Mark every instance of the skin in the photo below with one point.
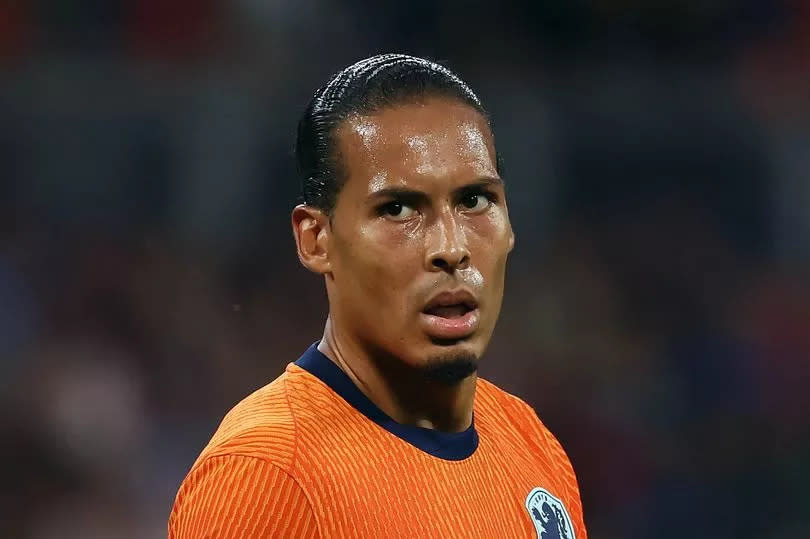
(422, 211)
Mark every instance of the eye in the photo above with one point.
(475, 202)
(397, 211)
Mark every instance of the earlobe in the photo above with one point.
(311, 230)
(511, 241)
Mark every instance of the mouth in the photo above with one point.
(456, 310)
(451, 315)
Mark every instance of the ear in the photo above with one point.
(311, 230)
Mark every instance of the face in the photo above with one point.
(415, 252)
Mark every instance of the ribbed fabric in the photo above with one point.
(239, 496)
(296, 460)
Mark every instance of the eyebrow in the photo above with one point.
(413, 194)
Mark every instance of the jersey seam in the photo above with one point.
(295, 425)
(281, 469)
(295, 454)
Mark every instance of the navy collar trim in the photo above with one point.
(444, 445)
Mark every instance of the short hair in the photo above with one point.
(365, 87)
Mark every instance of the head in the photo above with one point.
(404, 213)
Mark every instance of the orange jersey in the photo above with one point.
(310, 456)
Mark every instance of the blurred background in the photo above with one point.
(657, 311)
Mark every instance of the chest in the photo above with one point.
(394, 490)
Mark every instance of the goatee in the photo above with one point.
(450, 370)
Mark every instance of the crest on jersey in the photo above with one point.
(549, 515)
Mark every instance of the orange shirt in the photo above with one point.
(310, 456)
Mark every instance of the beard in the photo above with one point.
(450, 370)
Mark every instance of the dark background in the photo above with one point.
(657, 311)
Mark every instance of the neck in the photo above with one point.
(403, 393)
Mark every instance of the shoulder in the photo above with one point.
(510, 412)
(236, 496)
(250, 455)
(494, 399)
(261, 426)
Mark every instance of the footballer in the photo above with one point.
(382, 428)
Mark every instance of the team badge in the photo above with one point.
(549, 515)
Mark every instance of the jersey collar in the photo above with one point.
(443, 445)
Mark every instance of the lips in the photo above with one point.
(451, 315)
(451, 301)
(449, 311)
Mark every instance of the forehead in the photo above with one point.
(437, 140)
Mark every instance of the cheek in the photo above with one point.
(490, 237)
(388, 249)
(380, 260)
(491, 233)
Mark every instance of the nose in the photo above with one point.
(446, 245)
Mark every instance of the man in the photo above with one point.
(382, 428)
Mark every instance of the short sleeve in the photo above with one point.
(234, 496)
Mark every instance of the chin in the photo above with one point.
(471, 344)
(450, 365)
(419, 349)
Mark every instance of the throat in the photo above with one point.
(408, 396)
(425, 401)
